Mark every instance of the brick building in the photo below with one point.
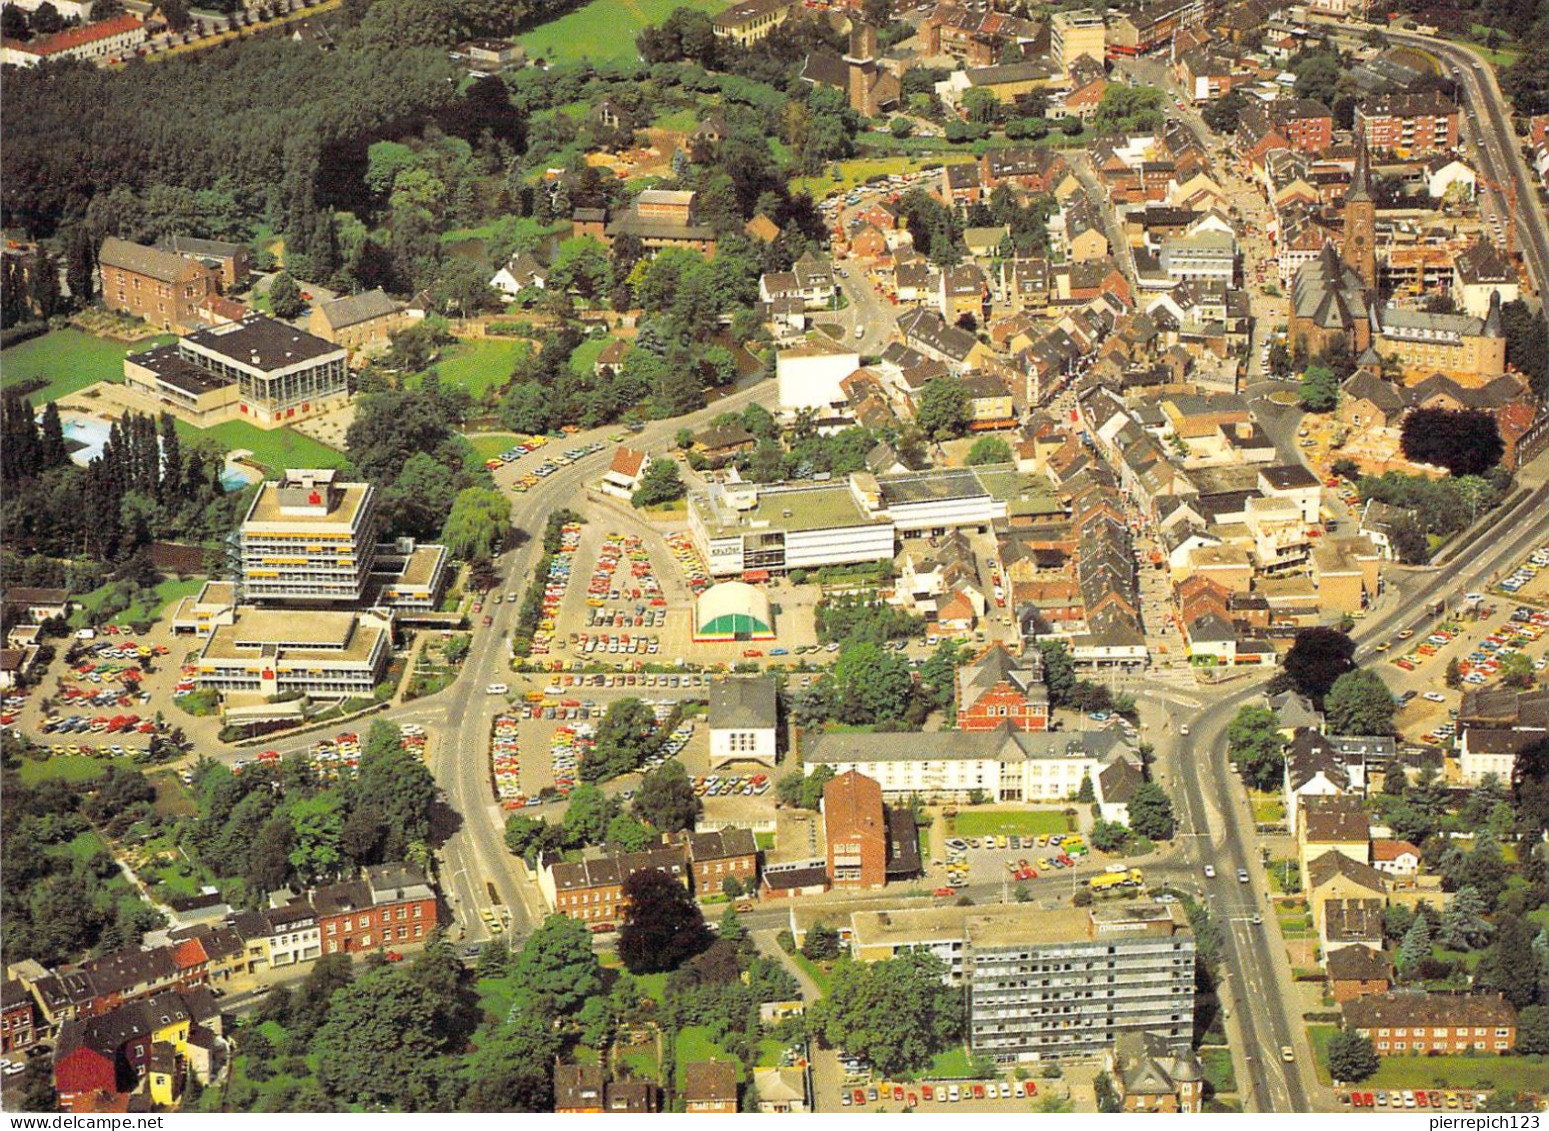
(857, 831)
(18, 1018)
(162, 287)
(1357, 972)
(593, 890)
(1408, 125)
(998, 688)
(709, 1087)
(1415, 1024)
(715, 857)
(389, 905)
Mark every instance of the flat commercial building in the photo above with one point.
(281, 372)
(180, 386)
(322, 655)
(308, 538)
(780, 527)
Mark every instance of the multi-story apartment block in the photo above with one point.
(1409, 125)
(1047, 984)
(389, 905)
(1075, 35)
(593, 890)
(308, 538)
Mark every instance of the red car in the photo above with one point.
(943, 892)
(858, 1095)
(913, 1100)
(394, 956)
(978, 1091)
(926, 1093)
(898, 1093)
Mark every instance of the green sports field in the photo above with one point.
(604, 30)
(274, 448)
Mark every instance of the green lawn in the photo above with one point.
(166, 591)
(1505, 1073)
(481, 365)
(769, 1053)
(586, 355)
(642, 1061)
(814, 971)
(765, 841)
(604, 30)
(66, 767)
(1218, 1069)
(1022, 822)
(695, 1045)
(683, 120)
(489, 447)
(274, 448)
(860, 169)
(68, 360)
(83, 846)
(949, 1065)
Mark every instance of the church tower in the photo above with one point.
(1360, 246)
(861, 64)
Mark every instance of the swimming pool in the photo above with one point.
(234, 478)
(90, 433)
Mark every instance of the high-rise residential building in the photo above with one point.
(1075, 34)
(1069, 982)
(309, 539)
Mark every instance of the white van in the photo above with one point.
(496, 689)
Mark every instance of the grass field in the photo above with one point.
(66, 767)
(1504, 1073)
(683, 120)
(695, 1045)
(490, 446)
(1218, 1069)
(859, 170)
(274, 448)
(769, 1053)
(166, 592)
(586, 355)
(68, 360)
(481, 365)
(604, 29)
(949, 1065)
(1037, 822)
(814, 971)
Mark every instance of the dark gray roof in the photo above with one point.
(355, 309)
(262, 343)
(149, 261)
(743, 704)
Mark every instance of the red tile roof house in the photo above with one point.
(998, 688)
(1395, 857)
(625, 472)
(390, 904)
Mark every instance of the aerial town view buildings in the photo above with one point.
(787, 557)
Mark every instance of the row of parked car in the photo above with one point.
(687, 555)
(1524, 573)
(713, 785)
(913, 1095)
(1414, 1099)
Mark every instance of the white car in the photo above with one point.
(496, 689)
(1434, 697)
(1210, 871)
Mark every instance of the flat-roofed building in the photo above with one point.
(1077, 34)
(309, 538)
(269, 652)
(781, 528)
(408, 576)
(187, 390)
(281, 372)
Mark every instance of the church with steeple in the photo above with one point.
(1334, 300)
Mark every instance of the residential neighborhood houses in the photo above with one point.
(775, 558)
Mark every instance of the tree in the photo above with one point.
(1465, 442)
(46, 19)
(1463, 922)
(463, 286)
(1530, 788)
(901, 127)
(395, 791)
(1108, 836)
(1255, 743)
(1416, 947)
(1533, 1030)
(1059, 671)
(477, 524)
(804, 791)
(626, 737)
(1317, 657)
(943, 408)
(1511, 965)
(512, 1069)
(1359, 702)
(1319, 390)
(661, 483)
(557, 965)
(1108, 1100)
(871, 685)
(896, 1013)
(821, 943)
(382, 1036)
(625, 834)
(527, 836)
(666, 798)
(988, 450)
(1151, 812)
(662, 927)
(1517, 671)
(588, 816)
(285, 297)
(13, 24)
(1222, 114)
(318, 824)
(1351, 1057)
(1454, 674)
